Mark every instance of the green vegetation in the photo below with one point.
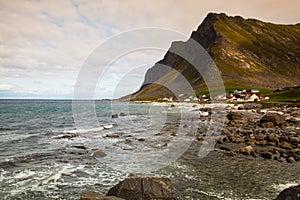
(285, 96)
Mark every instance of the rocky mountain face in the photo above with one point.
(248, 53)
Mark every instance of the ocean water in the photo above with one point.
(45, 155)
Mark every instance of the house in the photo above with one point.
(253, 97)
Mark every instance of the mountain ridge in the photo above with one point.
(248, 52)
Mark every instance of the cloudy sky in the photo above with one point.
(44, 44)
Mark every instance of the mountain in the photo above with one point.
(248, 53)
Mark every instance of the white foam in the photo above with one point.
(84, 130)
(280, 187)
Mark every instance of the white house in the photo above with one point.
(254, 97)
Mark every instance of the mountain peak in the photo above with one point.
(249, 54)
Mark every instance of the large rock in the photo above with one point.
(292, 193)
(248, 150)
(91, 195)
(275, 118)
(148, 188)
(235, 116)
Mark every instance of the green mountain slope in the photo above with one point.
(249, 54)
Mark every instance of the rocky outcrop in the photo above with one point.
(292, 193)
(147, 188)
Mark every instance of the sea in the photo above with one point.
(46, 152)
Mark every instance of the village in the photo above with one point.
(243, 95)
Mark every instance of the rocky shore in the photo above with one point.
(154, 188)
(251, 130)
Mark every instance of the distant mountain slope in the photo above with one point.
(249, 54)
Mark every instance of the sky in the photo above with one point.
(45, 44)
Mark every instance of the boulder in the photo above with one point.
(291, 160)
(99, 154)
(267, 155)
(267, 125)
(122, 114)
(260, 137)
(146, 188)
(248, 150)
(272, 138)
(91, 195)
(275, 118)
(222, 139)
(294, 140)
(291, 193)
(286, 145)
(114, 116)
(235, 116)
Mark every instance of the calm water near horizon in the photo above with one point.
(42, 156)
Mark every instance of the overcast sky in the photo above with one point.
(43, 44)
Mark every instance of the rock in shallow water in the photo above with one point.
(147, 188)
(292, 193)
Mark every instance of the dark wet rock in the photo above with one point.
(261, 143)
(267, 125)
(127, 141)
(99, 154)
(291, 193)
(111, 136)
(147, 188)
(275, 118)
(225, 131)
(68, 136)
(286, 145)
(91, 195)
(251, 106)
(283, 138)
(122, 114)
(260, 137)
(272, 143)
(291, 159)
(292, 120)
(206, 109)
(238, 140)
(75, 151)
(222, 139)
(224, 148)
(141, 139)
(79, 147)
(114, 116)
(272, 138)
(294, 140)
(235, 116)
(266, 155)
(248, 150)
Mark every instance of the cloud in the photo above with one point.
(48, 40)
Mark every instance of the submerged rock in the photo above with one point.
(147, 188)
